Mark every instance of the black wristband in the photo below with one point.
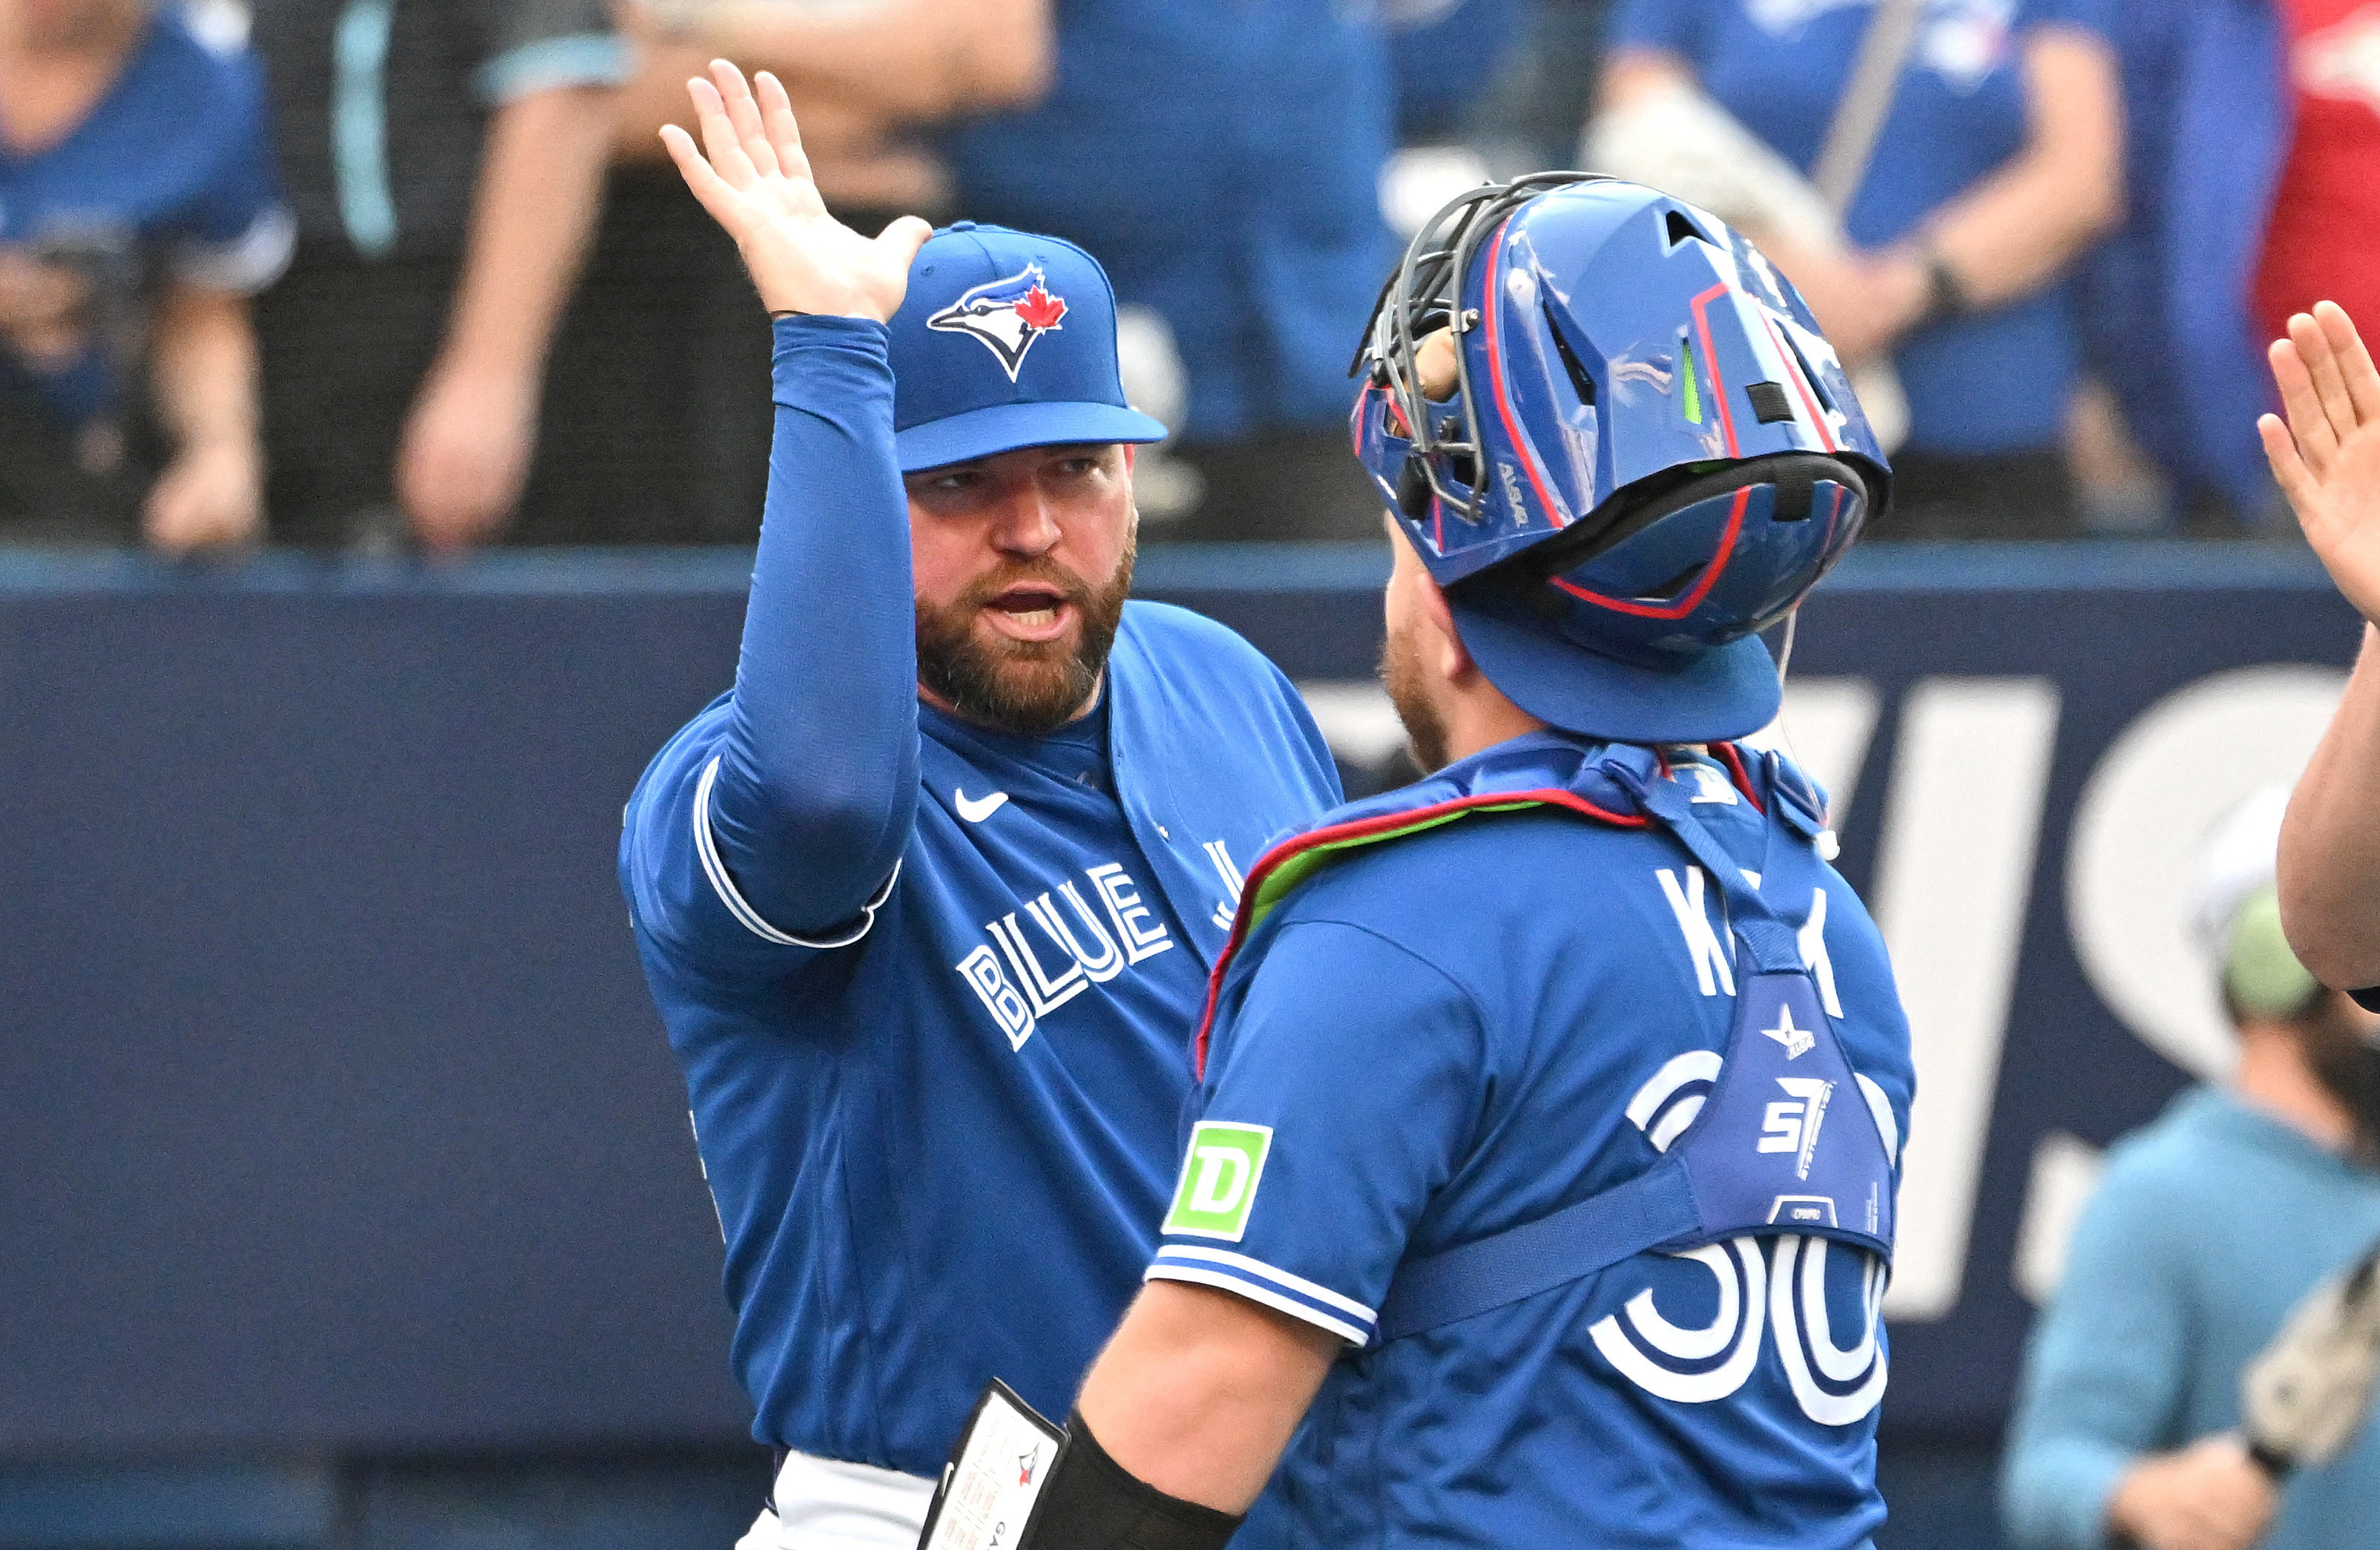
(1090, 1502)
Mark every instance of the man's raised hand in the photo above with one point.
(756, 183)
(2327, 458)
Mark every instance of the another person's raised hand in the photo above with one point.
(2327, 458)
(2210, 1495)
(756, 183)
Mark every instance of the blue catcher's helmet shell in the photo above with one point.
(1651, 453)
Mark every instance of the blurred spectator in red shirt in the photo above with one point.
(2253, 160)
(137, 211)
(2323, 242)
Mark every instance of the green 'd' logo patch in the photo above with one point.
(1219, 1179)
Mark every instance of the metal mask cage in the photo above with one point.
(1425, 295)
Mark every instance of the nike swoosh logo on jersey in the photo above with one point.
(976, 813)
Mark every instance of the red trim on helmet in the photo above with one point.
(1364, 828)
(1793, 368)
(1489, 303)
(1834, 516)
(1693, 599)
(1710, 359)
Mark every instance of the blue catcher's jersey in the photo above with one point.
(1432, 1040)
(940, 1152)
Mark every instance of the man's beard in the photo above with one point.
(1026, 687)
(2345, 1061)
(1401, 674)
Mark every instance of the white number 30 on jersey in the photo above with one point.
(1784, 1291)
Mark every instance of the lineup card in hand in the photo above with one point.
(995, 1472)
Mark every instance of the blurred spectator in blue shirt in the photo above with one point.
(1998, 162)
(445, 160)
(138, 212)
(2208, 1227)
(1221, 161)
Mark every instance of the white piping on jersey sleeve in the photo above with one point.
(725, 887)
(1259, 1282)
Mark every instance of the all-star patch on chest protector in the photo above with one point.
(1583, 1082)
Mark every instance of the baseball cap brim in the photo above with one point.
(961, 438)
(1725, 692)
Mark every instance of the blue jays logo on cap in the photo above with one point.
(1005, 316)
(1006, 290)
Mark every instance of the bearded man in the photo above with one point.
(929, 899)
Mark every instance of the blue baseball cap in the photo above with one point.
(1005, 340)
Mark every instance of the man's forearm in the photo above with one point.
(541, 185)
(817, 789)
(2330, 841)
(925, 60)
(204, 369)
(2012, 231)
(1199, 1390)
(203, 365)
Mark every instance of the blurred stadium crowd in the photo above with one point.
(374, 275)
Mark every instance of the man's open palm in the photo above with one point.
(756, 183)
(2327, 458)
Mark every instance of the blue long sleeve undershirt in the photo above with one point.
(817, 787)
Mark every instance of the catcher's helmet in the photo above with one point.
(1650, 452)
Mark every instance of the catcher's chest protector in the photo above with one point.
(1790, 1139)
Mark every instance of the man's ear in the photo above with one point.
(1454, 658)
(1130, 451)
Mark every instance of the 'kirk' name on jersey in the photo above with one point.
(1712, 948)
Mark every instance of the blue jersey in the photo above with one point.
(170, 175)
(1545, 1003)
(1958, 113)
(933, 986)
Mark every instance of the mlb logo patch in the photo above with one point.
(1004, 316)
